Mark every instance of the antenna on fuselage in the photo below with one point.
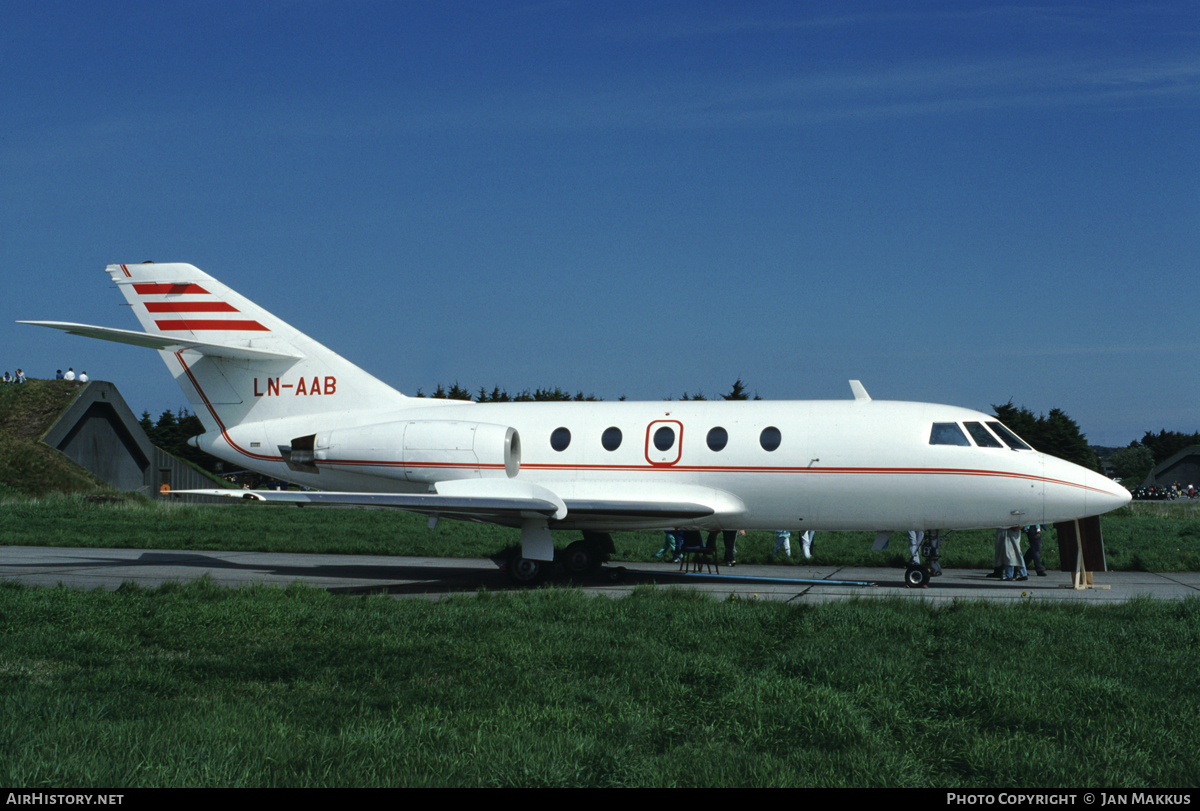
(860, 393)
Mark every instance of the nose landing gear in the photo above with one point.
(917, 575)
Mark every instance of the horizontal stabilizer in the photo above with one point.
(169, 343)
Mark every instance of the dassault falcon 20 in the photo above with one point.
(276, 401)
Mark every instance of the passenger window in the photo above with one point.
(982, 437)
(718, 438)
(611, 438)
(770, 438)
(1008, 436)
(560, 439)
(948, 433)
(664, 438)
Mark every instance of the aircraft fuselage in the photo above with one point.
(828, 465)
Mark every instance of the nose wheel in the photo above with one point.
(916, 577)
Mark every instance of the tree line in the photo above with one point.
(1133, 464)
(497, 395)
(1054, 433)
(172, 432)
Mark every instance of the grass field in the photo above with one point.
(200, 686)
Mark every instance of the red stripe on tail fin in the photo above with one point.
(168, 289)
(196, 325)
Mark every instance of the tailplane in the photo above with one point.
(235, 361)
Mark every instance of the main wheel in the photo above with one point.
(916, 576)
(526, 572)
(580, 558)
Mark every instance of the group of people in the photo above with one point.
(676, 541)
(19, 377)
(783, 542)
(1174, 491)
(1009, 563)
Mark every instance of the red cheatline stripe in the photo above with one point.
(210, 324)
(128, 275)
(190, 307)
(217, 418)
(168, 289)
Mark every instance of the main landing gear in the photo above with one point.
(526, 571)
(580, 559)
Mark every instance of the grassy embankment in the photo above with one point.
(27, 466)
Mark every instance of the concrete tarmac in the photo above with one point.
(438, 578)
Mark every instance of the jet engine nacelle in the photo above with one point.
(413, 450)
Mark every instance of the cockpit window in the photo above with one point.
(1008, 436)
(982, 437)
(948, 433)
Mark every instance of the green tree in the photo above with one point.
(1055, 434)
(172, 432)
(738, 392)
(1133, 464)
(1020, 420)
(457, 392)
(1063, 439)
(1166, 444)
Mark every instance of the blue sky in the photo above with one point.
(954, 202)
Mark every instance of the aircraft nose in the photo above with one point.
(1103, 494)
(1076, 492)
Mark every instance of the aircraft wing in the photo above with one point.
(463, 507)
(504, 501)
(169, 343)
(472, 508)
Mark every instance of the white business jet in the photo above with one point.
(274, 400)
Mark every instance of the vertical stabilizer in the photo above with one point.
(235, 361)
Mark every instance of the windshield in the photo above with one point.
(948, 433)
(1008, 436)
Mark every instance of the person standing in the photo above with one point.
(806, 542)
(1009, 541)
(729, 536)
(670, 546)
(1034, 556)
(915, 536)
